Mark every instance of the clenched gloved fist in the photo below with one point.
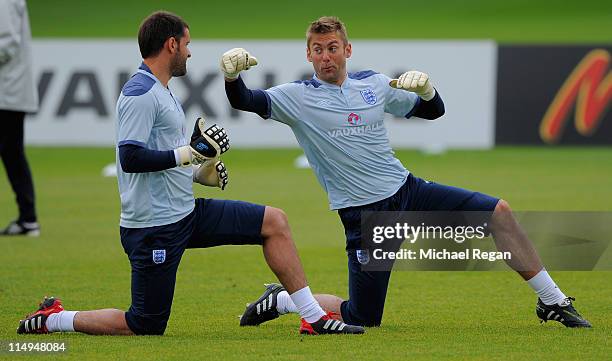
(416, 82)
(236, 60)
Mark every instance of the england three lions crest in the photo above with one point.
(369, 96)
(159, 256)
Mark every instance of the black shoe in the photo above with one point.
(328, 325)
(264, 309)
(18, 228)
(565, 314)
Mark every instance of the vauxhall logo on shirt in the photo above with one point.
(354, 119)
(355, 129)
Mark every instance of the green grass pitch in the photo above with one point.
(429, 315)
(504, 21)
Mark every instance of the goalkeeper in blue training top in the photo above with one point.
(337, 118)
(160, 218)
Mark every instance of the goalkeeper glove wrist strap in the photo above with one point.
(182, 156)
(428, 95)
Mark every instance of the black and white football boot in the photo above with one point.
(264, 309)
(18, 228)
(564, 313)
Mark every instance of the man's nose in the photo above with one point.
(325, 56)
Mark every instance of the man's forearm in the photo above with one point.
(137, 159)
(431, 109)
(243, 98)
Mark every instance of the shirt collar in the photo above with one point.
(330, 85)
(144, 69)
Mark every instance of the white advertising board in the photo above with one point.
(79, 81)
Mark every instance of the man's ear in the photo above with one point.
(348, 50)
(172, 45)
(308, 55)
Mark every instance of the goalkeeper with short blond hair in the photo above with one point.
(338, 119)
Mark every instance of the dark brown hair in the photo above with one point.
(156, 29)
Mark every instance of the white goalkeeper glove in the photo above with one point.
(236, 60)
(211, 173)
(206, 144)
(416, 82)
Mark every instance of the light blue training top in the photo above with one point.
(150, 116)
(343, 135)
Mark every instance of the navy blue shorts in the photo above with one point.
(156, 252)
(368, 290)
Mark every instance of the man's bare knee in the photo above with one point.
(502, 211)
(503, 207)
(275, 224)
(503, 219)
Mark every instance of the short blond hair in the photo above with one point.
(325, 25)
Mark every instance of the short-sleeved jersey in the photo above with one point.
(149, 115)
(343, 135)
